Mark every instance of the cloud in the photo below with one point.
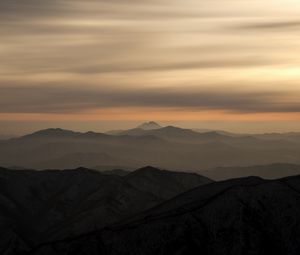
(273, 25)
(152, 43)
(74, 100)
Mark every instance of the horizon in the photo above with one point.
(138, 124)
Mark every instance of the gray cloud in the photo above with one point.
(156, 37)
(273, 25)
(71, 100)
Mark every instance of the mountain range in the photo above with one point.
(43, 206)
(165, 147)
(272, 171)
(246, 216)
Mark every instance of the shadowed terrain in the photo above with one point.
(40, 206)
(273, 171)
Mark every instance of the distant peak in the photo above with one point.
(147, 170)
(52, 132)
(151, 125)
(172, 128)
(84, 169)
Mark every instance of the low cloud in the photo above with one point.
(71, 100)
(152, 43)
(273, 25)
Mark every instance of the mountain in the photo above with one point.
(168, 148)
(42, 206)
(291, 136)
(176, 134)
(118, 172)
(221, 132)
(108, 168)
(52, 133)
(151, 125)
(248, 216)
(6, 137)
(135, 132)
(162, 183)
(273, 171)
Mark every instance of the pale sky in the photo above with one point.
(98, 64)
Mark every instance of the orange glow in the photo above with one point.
(162, 114)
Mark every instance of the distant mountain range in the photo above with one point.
(101, 205)
(5, 137)
(247, 216)
(165, 147)
(151, 125)
(42, 206)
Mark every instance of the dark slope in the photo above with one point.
(118, 172)
(52, 133)
(162, 183)
(40, 206)
(238, 217)
(273, 171)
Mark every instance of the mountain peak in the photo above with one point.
(151, 125)
(52, 132)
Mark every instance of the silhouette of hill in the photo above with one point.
(118, 172)
(273, 171)
(162, 183)
(237, 217)
(40, 206)
(151, 125)
(6, 137)
(52, 132)
(174, 133)
(168, 147)
(291, 136)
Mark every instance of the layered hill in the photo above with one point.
(42, 206)
(273, 171)
(167, 147)
(248, 216)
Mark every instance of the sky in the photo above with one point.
(100, 65)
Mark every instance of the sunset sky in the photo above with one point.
(106, 64)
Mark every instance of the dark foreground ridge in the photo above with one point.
(237, 217)
(44, 206)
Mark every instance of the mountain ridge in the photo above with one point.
(256, 223)
(54, 204)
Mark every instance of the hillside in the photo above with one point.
(273, 171)
(168, 147)
(248, 216)
(40, 206)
